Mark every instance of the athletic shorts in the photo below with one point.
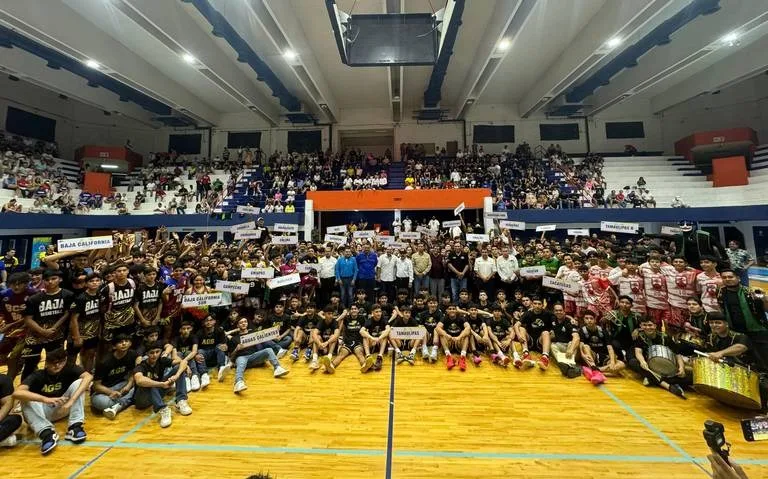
(10, 349)
(352, 344)
(34, 350)
(109, 334)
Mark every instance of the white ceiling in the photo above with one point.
(558, 39)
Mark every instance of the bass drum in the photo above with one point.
(662, 360)
(733, 385)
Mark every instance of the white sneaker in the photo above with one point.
(425, 353)
(223, 371)
(188, 383)
(195, 383)
(280, 371)
(9, 441)
(313, 366)
(17, 408)
(111, 412)
(165, 417)
(282, 352)
(205, 380)
(433, 356)
(183, 407)
(240, 386)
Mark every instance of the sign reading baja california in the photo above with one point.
(451, 224)
(249, 210)
(496, 215)
(291, 239)
(533, 271)
(546, 228)
(337, 229)
(196, 300)
(338, 239)
(512, 225)
(410, 235)
(286, 228)
(247, 234)
(251, 225)
(258, 273)
(259, 337)
(412, 332)
(365, 234)
(459, 209)
(615, 227)
(281, 281)
(477, 238)
(567, 286)
(232, 287)
(76, 244)
(578, 231)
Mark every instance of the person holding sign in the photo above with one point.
(247, 355)
(375, 333)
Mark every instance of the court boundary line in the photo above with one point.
(645, 422)
(391, 425)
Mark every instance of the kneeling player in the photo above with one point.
(375, 333)
(430, 319)
(403, 319)
(478, 332)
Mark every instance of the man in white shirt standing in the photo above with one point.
(434, 224)
(507, 268)
(407, 224)
(386, 272)
(485, 272)
(403, 271)
(326, 271)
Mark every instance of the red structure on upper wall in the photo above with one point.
(716, 139)
(109, 153)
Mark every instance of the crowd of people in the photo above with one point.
(164, 315)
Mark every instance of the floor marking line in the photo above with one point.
(653, 428)
(391, 423)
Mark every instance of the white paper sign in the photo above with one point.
(422, 229)
(546, 228)
(398, 245)
(259, 337)
(337, 229)
(385, 239)
(305, 267)
(290, 239)
(533, 271)
(247, 234)
(411, 236)
(496, 215)
(233, 287)
(477, 238)
(251, 225)
(196, 300)
(366, 234)
(409, 332)
(670, 230)
(281, 281)
(458, 209)
(286, 228)
(338, 239)
(89, 243)
(578, 231)
(249, 210)
(615, 227)
(257, 273)
(512, 225)
(559, 284)
(451, 224)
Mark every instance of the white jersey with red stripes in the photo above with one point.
(632, 285)
(681, 285)
(655, 286)
(707, 287)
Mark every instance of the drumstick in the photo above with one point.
(658, 378)
(704, 354)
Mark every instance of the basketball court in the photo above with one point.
(407, 422)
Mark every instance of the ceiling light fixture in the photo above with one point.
(92, 64)
(289, 55)
(613, 42)
(189, 58)
(504, 45)
(110, 167)
(731, 38)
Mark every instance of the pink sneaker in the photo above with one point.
(587, 371)
(477, 359)
(597, 378)
(494, 357)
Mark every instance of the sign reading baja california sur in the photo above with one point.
(77, 244)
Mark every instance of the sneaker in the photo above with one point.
(240, 386)
(307, 354)
(400, 357)
(48, 441)
(183, 407)
(543, 363)
(410, 358)
(314, 366)
(377, 365)
(463, 363)
(677, 391)
(646, 382)
(572, 372)
(476, 359)
(328, 366)
(505, 361)
(188, 383)
(424, 354)
(367, 364)
(449, 362)
(223, 371)
(76, 433)
(280, 353)
(165, 416)
(295, 354)
(195, 383)
(205, 381)
(280, 372)
(597, 378)
(528, 363)
(495, 357)
(518, 363)
(111, 412)
(433, 356)
(9, 441)
(587, 371)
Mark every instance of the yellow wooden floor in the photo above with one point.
(483, 423)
